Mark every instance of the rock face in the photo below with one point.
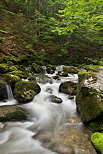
(90, 99)
(3, 90)
(11, 113)
(25, 91)
(68, 87)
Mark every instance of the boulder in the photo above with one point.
(89, 99)
(12, 113)
(70, 69)
(3, 90)
(68, 87)
(37, 68)
(55, 99)
(25, 91)
(97, 140)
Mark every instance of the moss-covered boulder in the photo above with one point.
(12, 79)
(70, 69)
(13, 68)
(89, 99)
(21, 74)
(12, 113)
(97, 140)
(25, 91)
(37, 68)
(50, 69)
(68, 87)
(3, 68)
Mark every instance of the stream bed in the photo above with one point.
(51, 128)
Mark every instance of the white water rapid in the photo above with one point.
(45, 118)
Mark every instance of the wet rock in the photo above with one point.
(68, 87)
(55, 99)
(70, 69)
(97, 140)
(65, 74)
(70, 97)
(50, 69)
(89, 99)
(25, 91)
(12, 113)
(37, 68)
(3, 90)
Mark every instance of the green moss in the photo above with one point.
(9, 63)
(81, 75)
(12, 79)
(97, 140)
(21, 74)
(14, 53)
(13, 68)
(70, 69)
(3, 68)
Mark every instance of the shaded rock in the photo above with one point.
(65, 74)
(3, 90)
(25, 91)
(37, 68)
(68, 87)
(55, 99)
(70, 69)
(89, 98)
(97, 140)
(12, 113)
(56, 77)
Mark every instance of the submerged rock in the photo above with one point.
(25, 91)
(37, 68)
(68, 87)
(12, 113)
(89, 99)
(97, 140)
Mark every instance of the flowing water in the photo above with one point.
(46, 119)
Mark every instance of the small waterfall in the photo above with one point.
(9, 92)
